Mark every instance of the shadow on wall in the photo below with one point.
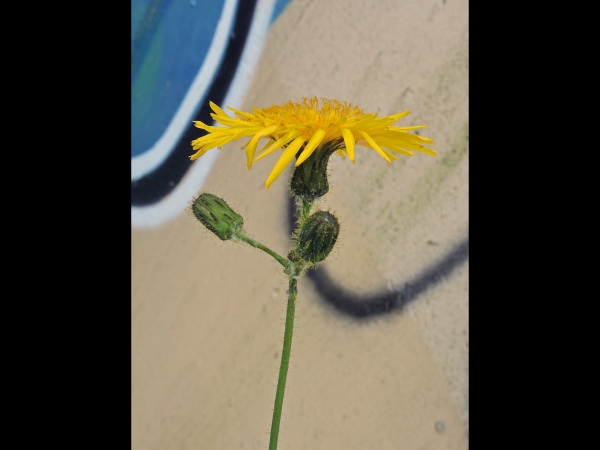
(365, 306)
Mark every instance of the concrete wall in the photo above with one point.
(380, 352)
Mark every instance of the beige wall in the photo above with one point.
(208, 316)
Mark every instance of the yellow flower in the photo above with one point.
(306, 126)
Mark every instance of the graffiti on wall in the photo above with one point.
(183, 54)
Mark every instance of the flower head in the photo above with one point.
(301, 128)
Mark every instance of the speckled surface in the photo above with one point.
(208, 316)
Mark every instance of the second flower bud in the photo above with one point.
(317, 236)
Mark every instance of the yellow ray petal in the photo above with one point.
(279, 143)
(402, 151)
(414, 127)
(426, 140)
(250, 132)
(401, 138)
(376, 147)
(315, 140)
(395, 117)
(254, 142)
(427, 151)
(396, 144)
(269, 142)
(217, 110)
(349, 141)
(390, 155)
(199, 153)
(242, 113)
(199, 143)
(400, 134)
(243, 132)
(287, 155)
(200, 124)
(229, 122)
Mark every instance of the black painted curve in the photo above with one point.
(158, 184)
(364, 306)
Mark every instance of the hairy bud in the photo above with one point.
(217, 216)
(317, 236)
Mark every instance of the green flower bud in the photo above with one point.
(317, 236)
(217, 216)
(309, 180)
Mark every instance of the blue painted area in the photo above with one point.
(278, 9)
(170, 40)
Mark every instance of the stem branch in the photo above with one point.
(283, 261)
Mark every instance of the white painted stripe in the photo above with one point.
(181, 197)
(152, 158)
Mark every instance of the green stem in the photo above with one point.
(283, 261)
(305, 209)
(285, 361)
(302, 209)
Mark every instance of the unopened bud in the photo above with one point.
(217, 216)
(317, 236)
(309, 180)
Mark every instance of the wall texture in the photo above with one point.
(380, 353)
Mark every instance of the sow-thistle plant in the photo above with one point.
(309, 131)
